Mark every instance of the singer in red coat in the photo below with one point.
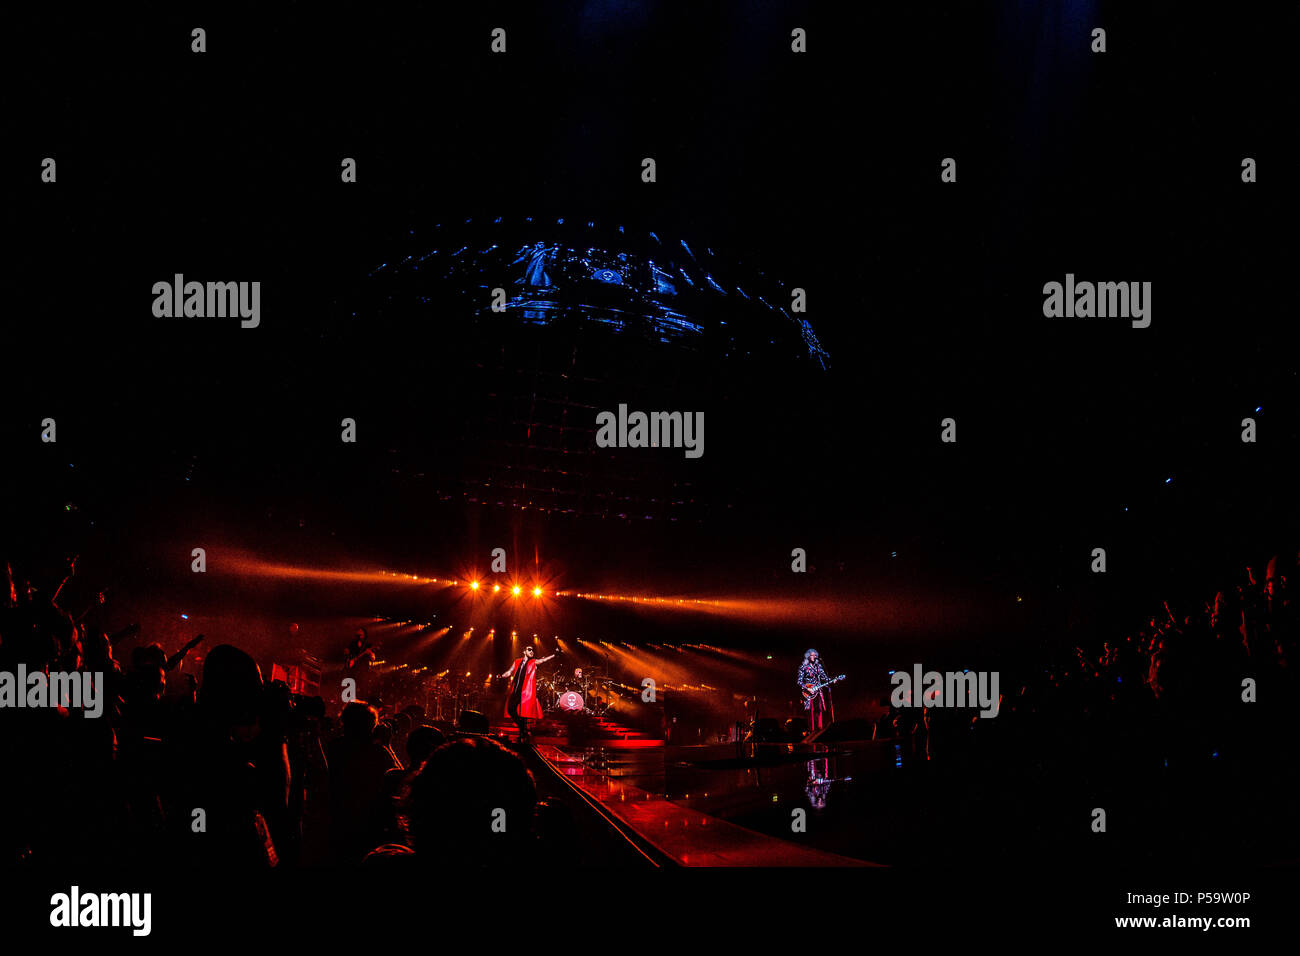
(522, 704)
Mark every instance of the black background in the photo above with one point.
(825, 167)
(1117, 166)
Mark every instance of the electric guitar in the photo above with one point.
(810, 691)
(355, 658)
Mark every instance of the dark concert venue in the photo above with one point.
(564, 464)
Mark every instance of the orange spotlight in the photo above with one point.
(495, 588)
(515, 590)
(473, 585)
(537, 592)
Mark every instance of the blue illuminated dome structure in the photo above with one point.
(593, 316)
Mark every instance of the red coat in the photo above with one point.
(528, 704)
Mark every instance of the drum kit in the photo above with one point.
(586, 692)
(442, 695)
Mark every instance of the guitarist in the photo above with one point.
(357, 658)
(360, 650)
(811, 673)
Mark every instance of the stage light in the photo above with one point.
(495, 588)
(537, 592)
(473, 585)
(515, 590)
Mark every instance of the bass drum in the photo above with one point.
(570, 700)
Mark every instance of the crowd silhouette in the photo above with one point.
(233, 772)
(228, 770)
(1204, 683)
